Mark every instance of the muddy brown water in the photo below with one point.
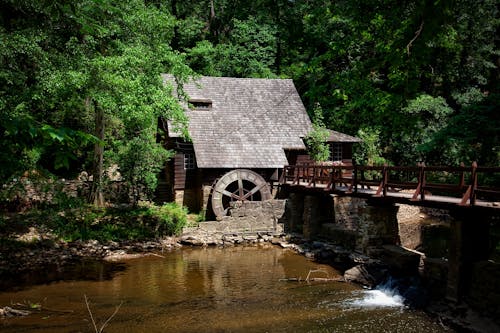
(237, 289)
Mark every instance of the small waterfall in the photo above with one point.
(384, 295)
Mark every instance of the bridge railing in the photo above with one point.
(457, 182)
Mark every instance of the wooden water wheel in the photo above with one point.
(238, 185)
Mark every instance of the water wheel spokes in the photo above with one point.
(238, 185)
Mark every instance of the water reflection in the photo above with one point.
(212, 290)
(91, 270)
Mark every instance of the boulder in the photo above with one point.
(367, 275)
(401, 261)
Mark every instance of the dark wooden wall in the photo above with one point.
(179, 172)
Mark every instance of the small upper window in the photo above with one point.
(201, 104)
(189, 161)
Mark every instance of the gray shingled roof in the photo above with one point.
(341, 137)
(250, 123)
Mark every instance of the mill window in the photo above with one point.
(201, 104)
(189, 161)
(336, 152)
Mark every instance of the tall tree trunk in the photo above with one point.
(278, 37)
(212, 22)
(96, 196)
(175, 40)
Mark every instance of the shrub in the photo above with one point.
(88, 222)
(168, 219)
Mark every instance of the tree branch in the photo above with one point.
(417, 33)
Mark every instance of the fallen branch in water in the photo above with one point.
(10, 312)
(100, 330)
(39, 307)
(156, 255)
(310, 279)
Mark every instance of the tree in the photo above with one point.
(97, 69)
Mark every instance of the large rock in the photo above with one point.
(367, 275)
(401, 261)
(192, 240)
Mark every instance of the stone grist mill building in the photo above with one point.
(243, 131)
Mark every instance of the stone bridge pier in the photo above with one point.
(353, 223)
(472, 272)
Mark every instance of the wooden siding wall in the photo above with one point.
(180, 172)
(292, 156)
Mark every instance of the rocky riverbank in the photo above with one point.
(20, 261)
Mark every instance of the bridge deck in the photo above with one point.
(398, 196)
(384, 185)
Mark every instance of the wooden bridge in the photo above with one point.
(431, 186)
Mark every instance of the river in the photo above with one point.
(236, 289)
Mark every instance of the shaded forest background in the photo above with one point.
(80, 85)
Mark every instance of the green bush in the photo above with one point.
(168, 219)
(87, 222)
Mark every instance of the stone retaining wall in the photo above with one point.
(249, 221)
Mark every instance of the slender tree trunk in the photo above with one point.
(96, 196)
(278, 37)
(175, 40)
(212, 24)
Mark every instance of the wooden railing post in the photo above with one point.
(297, 175)
(420, 185)
(355, 177)
(386, 179)
(470, 194)
(383, 182)
(312, 178)
(422, 188)
(331, 180)
(474, 184)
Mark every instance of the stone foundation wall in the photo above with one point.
(360, 225)
(247, 221)
(485, 289)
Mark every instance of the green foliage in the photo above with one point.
(168, 219)
(315, 140)
(248, 51)
(418, 79)
(87, 222)
(316, 146)
(369, 152)
(427, 115)
(473, 134)
(28, 144)
(64, 64)
(367, 63)
(141, 161)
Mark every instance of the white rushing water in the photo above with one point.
(379, 298)
(383, 296)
